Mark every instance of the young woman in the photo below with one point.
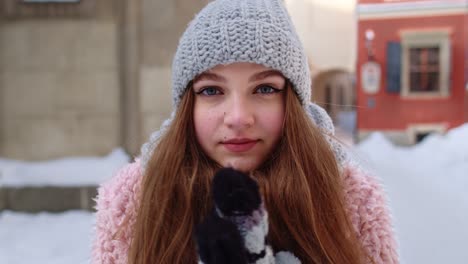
(241, 90)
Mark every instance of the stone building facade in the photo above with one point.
(81, 77)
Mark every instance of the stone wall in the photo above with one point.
(59, 85)
(328, 31)
(163, 24)
(66, 84)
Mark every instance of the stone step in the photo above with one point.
(47, 198)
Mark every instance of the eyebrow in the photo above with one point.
(265, 74)
(257, 76)
(209, 76)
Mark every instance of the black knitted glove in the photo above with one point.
(236, 229)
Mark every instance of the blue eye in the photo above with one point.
(266, 89)
(209, 91)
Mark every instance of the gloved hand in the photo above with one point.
(236, 230)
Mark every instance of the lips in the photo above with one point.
(239, 144)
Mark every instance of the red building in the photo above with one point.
(412, 67)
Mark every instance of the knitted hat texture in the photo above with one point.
(228, 31)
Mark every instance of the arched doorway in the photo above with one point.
(334, 90)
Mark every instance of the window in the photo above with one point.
(424, 69)
(341, 97)
(417, 132)
(426, 64)
(328, 98)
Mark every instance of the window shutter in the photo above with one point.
(393, 67)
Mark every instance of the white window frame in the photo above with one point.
(414, 129)
(422, 39)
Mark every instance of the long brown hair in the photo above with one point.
(300, 183)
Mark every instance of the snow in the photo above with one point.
(46, 238)
(426, 185)
(73, 171)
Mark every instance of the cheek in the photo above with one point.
(204, 123)
(272, 120)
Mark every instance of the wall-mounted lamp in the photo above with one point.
(370, 35)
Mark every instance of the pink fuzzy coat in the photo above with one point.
(365, 198)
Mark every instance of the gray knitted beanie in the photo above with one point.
(227, 31)
(256, 31)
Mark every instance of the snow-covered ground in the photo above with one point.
(46, 238)
(427, 186)
(428, 191)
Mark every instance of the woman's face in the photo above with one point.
(239, 113)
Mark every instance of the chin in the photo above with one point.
(243, 164)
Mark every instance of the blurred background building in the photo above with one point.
(82, 77)
(328, 32)
(412, 68)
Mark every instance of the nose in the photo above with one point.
(239, 114)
